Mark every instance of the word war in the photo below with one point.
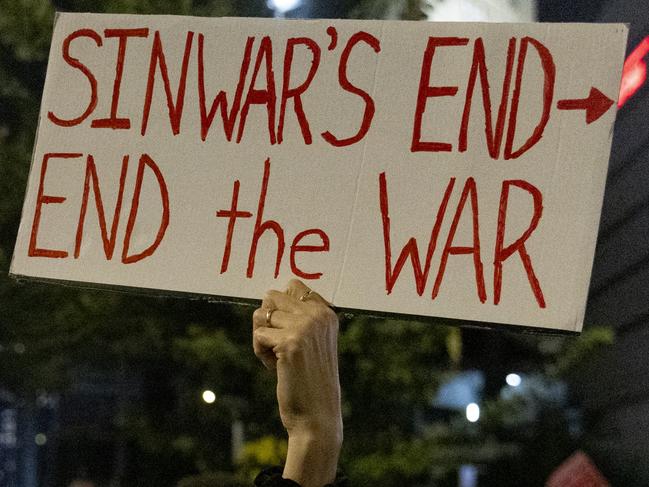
(502, 252)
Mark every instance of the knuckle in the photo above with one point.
(294, 283)
(258, 335)
(259, 315)
(268, 297)
(272, 295)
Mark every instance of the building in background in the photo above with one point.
(615, 390)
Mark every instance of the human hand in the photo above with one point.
(299, 338)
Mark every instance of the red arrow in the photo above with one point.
(596, 105)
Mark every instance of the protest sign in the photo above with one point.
(453, 170)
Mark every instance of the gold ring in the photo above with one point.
(306, 295)
(269, 315)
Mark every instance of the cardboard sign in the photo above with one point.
(452, 170)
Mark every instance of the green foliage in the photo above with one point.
(437, 455)
(577, 353)
(25, 28)
(389, 373)
(392, 362)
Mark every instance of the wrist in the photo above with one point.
(312, 456)
(325, 430)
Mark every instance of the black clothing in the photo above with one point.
(272, 477)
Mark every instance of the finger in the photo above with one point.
(296, 288)
(269, 337)
(264, 341)
(266, 355)
(303, 293)
(264, 349)
(267, 302)
(281, 301)
(314, 297)
(278, 318)
(259, 318)
(268, 358)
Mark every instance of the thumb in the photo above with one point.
(264, 340)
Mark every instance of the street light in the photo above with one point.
(209, 397)
(513, 380)
(473, 412)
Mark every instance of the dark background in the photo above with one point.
(107, 387)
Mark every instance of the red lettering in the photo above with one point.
(43, 199)
(479, 67)
(175, 107)
(346, 85)
(260, 227)
(261, 97)
(549, 74)
(146, 161)
(232, 215)
(75, 63)
(221, 99)
(503, 253)
(426, 91)
(296, 92)
(469, 189)
(410, 249)
(115, 122)
(295, 248)
(108, 240)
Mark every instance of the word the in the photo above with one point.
(261, 227)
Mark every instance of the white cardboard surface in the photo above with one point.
(317, 185)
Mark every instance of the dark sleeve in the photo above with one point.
(272, 477)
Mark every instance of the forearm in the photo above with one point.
(312, 458)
